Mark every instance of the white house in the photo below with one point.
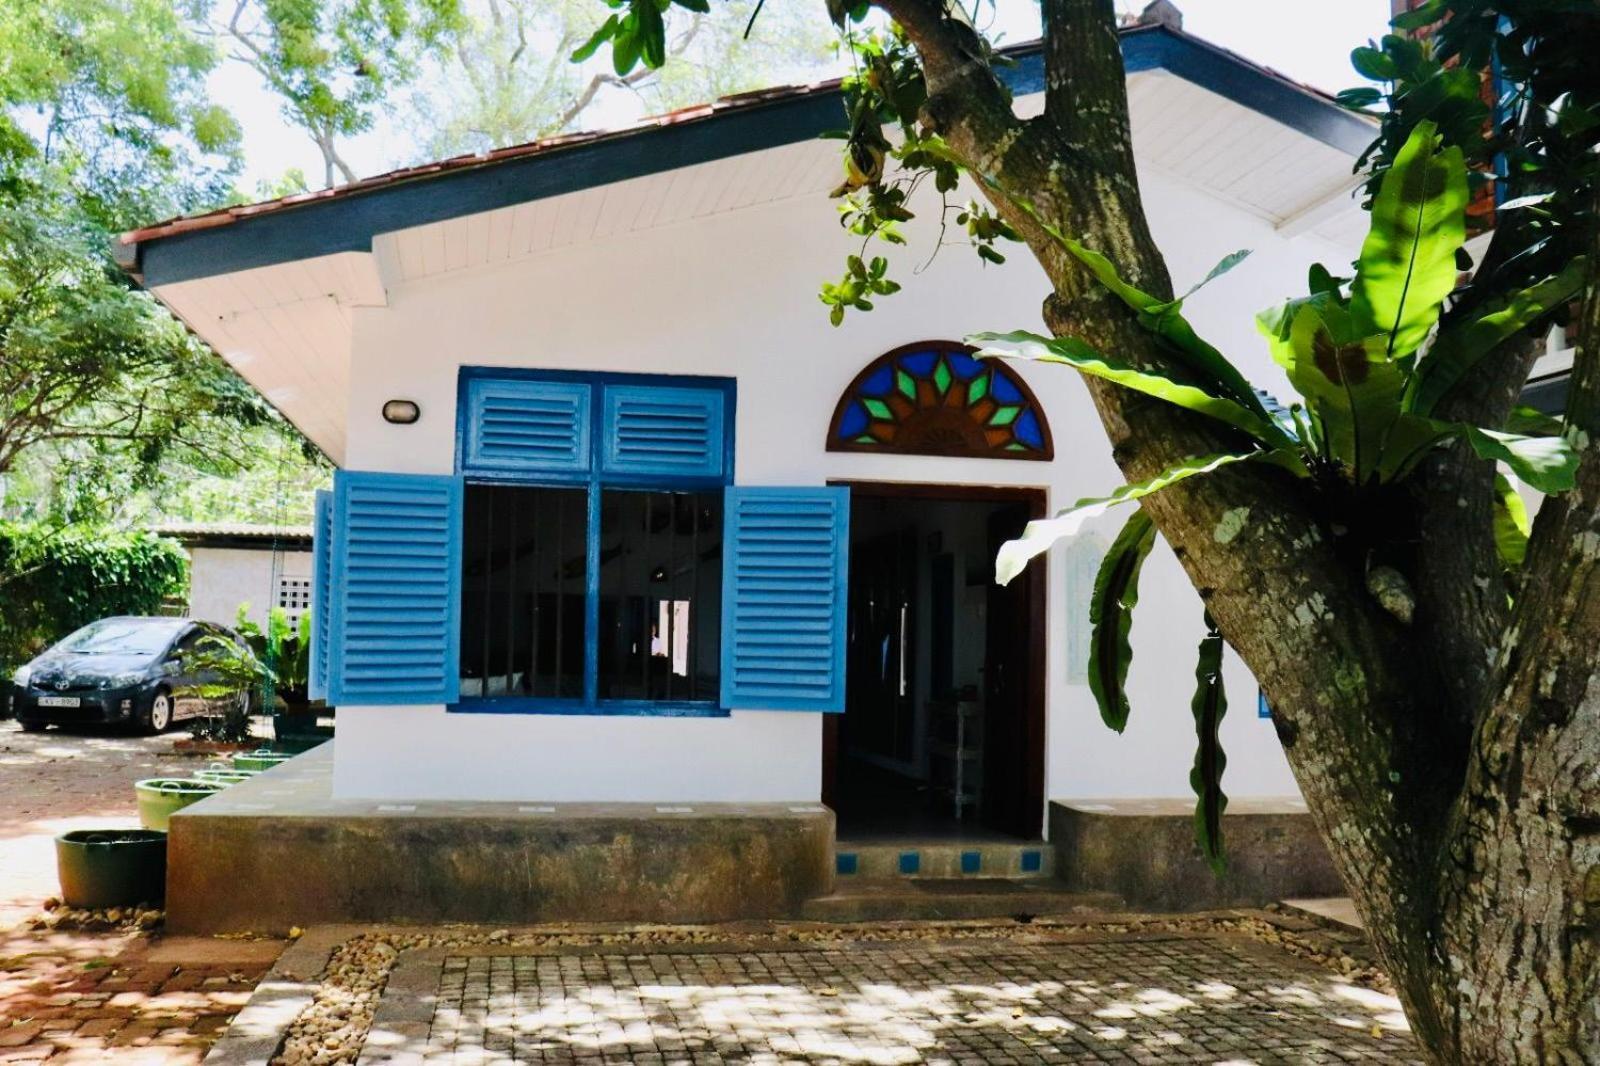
(233, 564)
(620, 518)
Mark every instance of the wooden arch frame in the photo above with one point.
(928, 413)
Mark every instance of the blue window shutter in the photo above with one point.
(663, 430)
(785, 564)
(321, 594)
(396, 619)
(513, 425)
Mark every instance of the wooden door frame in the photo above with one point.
(1037, 577)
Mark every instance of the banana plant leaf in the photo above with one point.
(1210, 704)
(1042, 532)
(1456, 350)
(1116, 591)
(1078, 355)
(1511, 523)
(1408, 262)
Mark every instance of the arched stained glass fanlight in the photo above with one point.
(935, 398)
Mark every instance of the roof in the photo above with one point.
(237, 535)
(347, 217)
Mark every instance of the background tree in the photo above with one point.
(105, 402)
(331, 62)
(1435, 705)
(506, 75)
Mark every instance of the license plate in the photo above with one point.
(59, 701)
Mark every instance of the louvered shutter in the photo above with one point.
(785, 559)
(663, 430)
(321, 594)
(396, 621)
(512, 425)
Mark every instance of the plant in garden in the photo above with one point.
(1433, 700)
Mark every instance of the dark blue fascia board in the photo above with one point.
(348, 223)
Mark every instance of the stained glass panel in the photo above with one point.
(935, 398)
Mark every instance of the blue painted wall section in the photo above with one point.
(348, 223)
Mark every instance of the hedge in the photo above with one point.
(54, 582)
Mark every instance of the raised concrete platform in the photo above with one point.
(279, 851)
(1144, 852)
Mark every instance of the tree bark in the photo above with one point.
(1452, 765)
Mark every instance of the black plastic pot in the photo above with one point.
(112, 867)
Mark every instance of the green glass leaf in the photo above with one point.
(1015, 447)
(941, 377)
(866, 438)
(878, 409)
(1004, 416)
(978, 389)
(905, 384)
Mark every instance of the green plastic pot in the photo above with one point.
(161, 797)
(224, 777)
(259, 760)
(102, 868)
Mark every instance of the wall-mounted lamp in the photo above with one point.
(401, 412)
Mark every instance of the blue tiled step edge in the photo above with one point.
(909, 859)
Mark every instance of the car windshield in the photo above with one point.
(122, 636)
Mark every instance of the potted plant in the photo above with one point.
(161, 797)
(102, 868)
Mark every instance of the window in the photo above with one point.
(591, 550)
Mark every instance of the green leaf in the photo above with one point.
(1116, 591)
(1549, 464)
(1408, 261)
(1225, 264)
(1353, 390)
(1078, 355)
(1210, 704)
(1458, 348)
(1043, 532)
(607, 30)
(1533, 422)
(1371, 63)
(1511, 522)
(1357, 99)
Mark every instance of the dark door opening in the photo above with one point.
(943, 730)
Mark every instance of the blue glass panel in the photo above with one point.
(880, 381)
(1026, 429)
(919, 363)
(1005, 390)
(963, 365)
(853, 422)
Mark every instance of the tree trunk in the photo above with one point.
(1460, 801)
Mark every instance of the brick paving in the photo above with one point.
(1121, 998)
(55, 781)
(71, 997)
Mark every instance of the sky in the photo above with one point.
(1308, 40)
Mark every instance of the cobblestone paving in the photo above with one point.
(1119, 1000)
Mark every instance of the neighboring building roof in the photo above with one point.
(347, 217)
(238, 535)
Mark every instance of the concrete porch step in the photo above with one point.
(913, 859)
(906, 899)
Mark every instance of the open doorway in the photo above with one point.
(943, 730)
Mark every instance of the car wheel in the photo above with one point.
(159, 715)
(33, 727)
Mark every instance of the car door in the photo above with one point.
(187, 701)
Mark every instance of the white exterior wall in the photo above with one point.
(220, 579)
(735, 295)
